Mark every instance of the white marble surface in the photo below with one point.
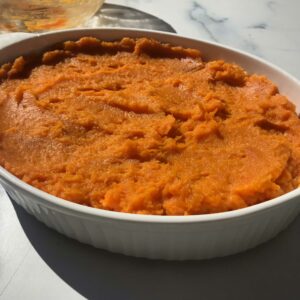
(269, 29)
(37, 263)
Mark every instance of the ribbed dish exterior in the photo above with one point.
(201, 238)
(169, 241)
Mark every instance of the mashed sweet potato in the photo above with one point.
(142, 127)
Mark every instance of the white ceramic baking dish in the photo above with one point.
(159, 237)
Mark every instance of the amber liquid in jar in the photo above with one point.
(44, 15)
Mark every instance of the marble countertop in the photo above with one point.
(266, 28)
(38, 263)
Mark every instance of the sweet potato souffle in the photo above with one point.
(139, 126)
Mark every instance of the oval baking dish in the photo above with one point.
(158, 237)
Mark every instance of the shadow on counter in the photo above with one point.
(270, 271)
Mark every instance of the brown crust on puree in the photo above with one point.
(143, 127)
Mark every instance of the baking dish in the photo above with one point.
(158, 237)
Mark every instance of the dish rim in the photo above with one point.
(91, 212)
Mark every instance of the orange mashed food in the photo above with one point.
(142, 127)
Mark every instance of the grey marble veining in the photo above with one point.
(220, 29)
(269, 29)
